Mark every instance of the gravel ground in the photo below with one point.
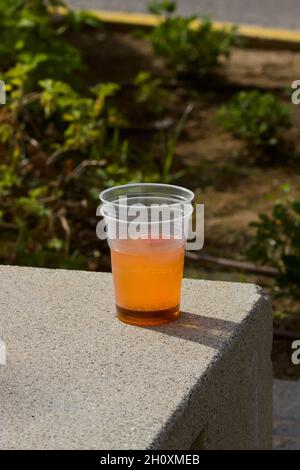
(286, 414)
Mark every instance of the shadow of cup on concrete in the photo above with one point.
(199, 329)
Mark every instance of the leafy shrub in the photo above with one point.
(31, 47)
(190, 49)
(256, 117)
(277, 243)
(60, 144)
(149, 93)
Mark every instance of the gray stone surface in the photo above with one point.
(270, 13)
(76, 377)
(286, 412)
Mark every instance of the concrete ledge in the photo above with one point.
(76, 377)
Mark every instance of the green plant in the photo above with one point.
(172, 138)
(189, 48)
(277, 243)
(32, 46)
(149, 93)
(60, 143)
(84, 119)
(257, 118)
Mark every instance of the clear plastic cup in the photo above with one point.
(147, 226)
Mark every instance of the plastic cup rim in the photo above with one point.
(181, 217)
(157, 185)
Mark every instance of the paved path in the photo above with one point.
(271, 13)
(286, 414)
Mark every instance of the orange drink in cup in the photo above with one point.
(147, 252)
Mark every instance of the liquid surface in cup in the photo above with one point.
(147, 278)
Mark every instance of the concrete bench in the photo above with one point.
(76, 377)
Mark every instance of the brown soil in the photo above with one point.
(119, 56)
(235, 187)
